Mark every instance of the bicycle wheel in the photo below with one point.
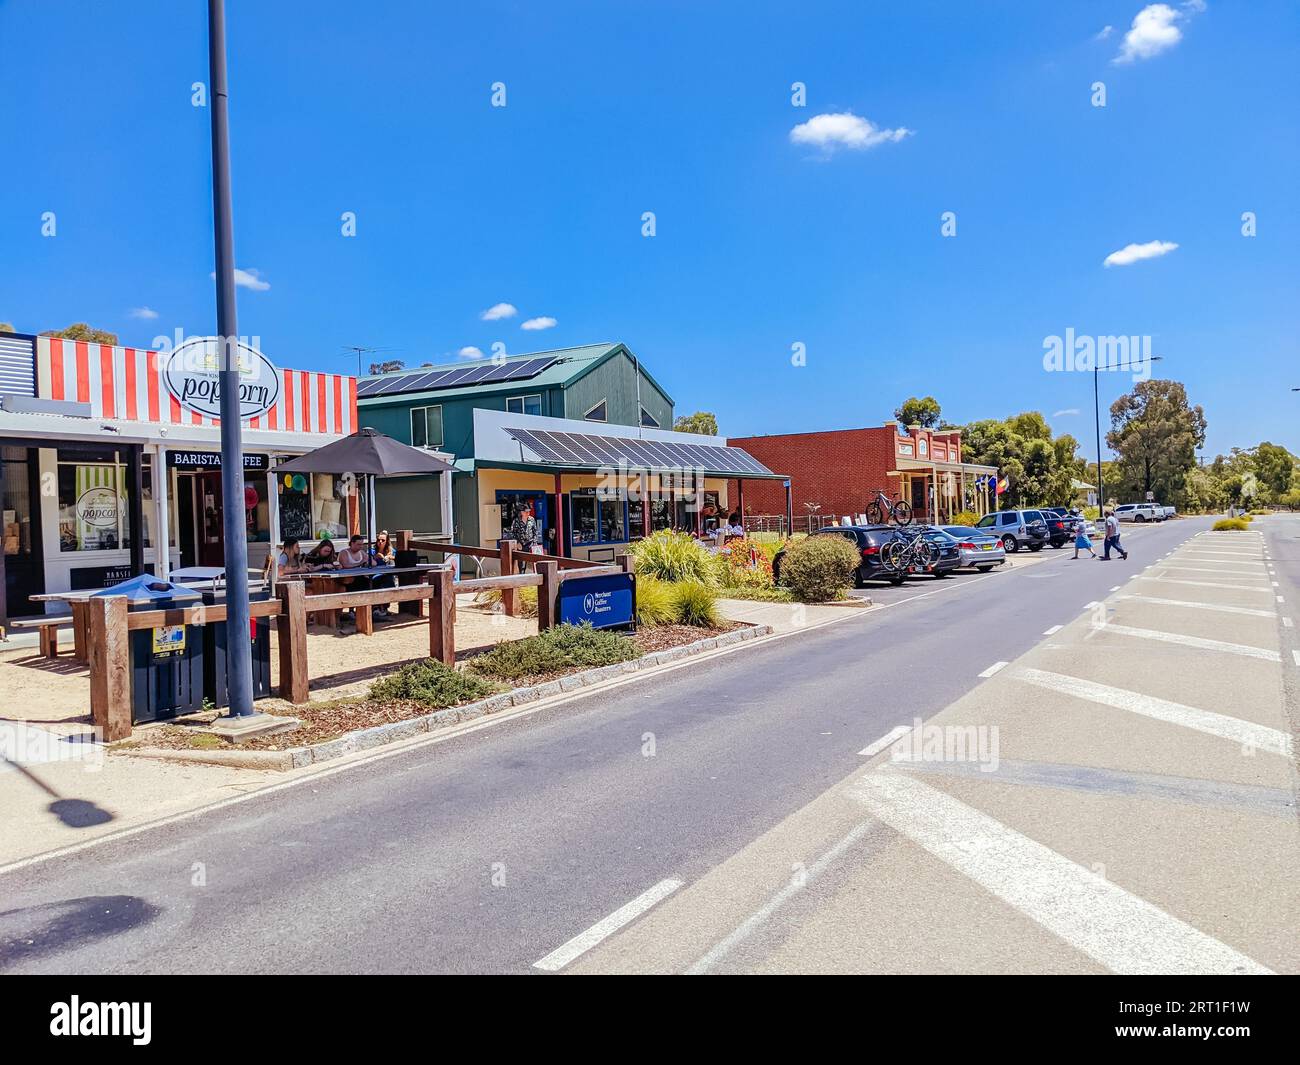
(875, 513)
(892, 556)
(902, 512)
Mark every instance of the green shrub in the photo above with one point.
(676, 556)
(965, 517)
(553, 650)
(746, 564)
(819, 568)
(695, 604)
(431, 683)
(761, 595)
(655, 604)
(1231, 525)
(525, 600)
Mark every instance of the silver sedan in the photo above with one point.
(978, 548)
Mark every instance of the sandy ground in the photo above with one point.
(56, 693)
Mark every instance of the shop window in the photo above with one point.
(648, 420)
(598, 413)
(904, 449)
(16, 502)
(661, 515)
(94, 502)
(524, 404)
(925, 447)
(595, 520)
(426, 427)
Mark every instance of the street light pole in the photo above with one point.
(239, 661)
(1096, 408)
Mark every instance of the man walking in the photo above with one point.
(523, 531)
(1112, 537)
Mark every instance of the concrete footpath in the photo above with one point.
(1122, 798)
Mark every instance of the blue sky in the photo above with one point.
(684, 109)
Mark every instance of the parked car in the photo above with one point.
(1060, 527)
(1169, 512)
(868, 539)
(949, 552)
(1138, 512)
(1016, 529)
(979, 549)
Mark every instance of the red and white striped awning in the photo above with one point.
(127, 384)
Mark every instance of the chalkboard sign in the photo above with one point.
(295, 516)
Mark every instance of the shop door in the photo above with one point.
(210, 520)
(24, 573)
(920, 505)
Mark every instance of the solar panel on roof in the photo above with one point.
(587, 449)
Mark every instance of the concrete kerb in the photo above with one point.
(379, 735)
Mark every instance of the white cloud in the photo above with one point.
(498, 311)
(470, 352)
(844, 129)
(539, 323)
(1154, 30)
(1132, 253)
(1104, 32)
(143, 312)
(1063, 413)
(247, 279)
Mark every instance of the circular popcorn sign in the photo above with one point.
(192, 375)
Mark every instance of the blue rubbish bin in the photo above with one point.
(166, 662)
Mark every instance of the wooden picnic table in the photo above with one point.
(78, 602)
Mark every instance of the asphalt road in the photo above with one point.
(489, 851)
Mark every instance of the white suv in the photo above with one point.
(1139, 512)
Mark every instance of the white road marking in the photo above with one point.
(1053, 630)
(1296, 655)
(993, 669)
(1089, 606)
(603, 929)
(1204, 584)
(1287, 623)
(1244, 733)
(1123, 932)
(1172, 568)
(1116, 588)
(760, 916)
(887, 740)
(1204, 606)
(1280, 599)
(1199, 642)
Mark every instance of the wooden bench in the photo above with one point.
(49, 631)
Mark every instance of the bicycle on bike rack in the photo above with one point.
(906, 554)
(884, 508)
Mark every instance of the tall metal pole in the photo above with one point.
(1096, 411)
(239, 661)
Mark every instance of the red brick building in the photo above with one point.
(840, 471)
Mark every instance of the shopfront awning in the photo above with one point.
(588, 451)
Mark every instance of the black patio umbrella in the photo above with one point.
(367, 453)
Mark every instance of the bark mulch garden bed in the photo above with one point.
(328, 720)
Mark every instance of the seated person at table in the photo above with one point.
(385, 553)
(355, 555)
(290, 559)
(323, 556)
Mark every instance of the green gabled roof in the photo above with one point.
(571, 363)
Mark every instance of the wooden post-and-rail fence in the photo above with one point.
(111, 623)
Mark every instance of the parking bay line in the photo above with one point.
(1245, 733)
(1202, 584)
(1198, 642)
(888, 739)
(1112, 926)
(1251, 611)
(603, 929)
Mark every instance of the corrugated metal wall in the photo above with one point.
(17, 364)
